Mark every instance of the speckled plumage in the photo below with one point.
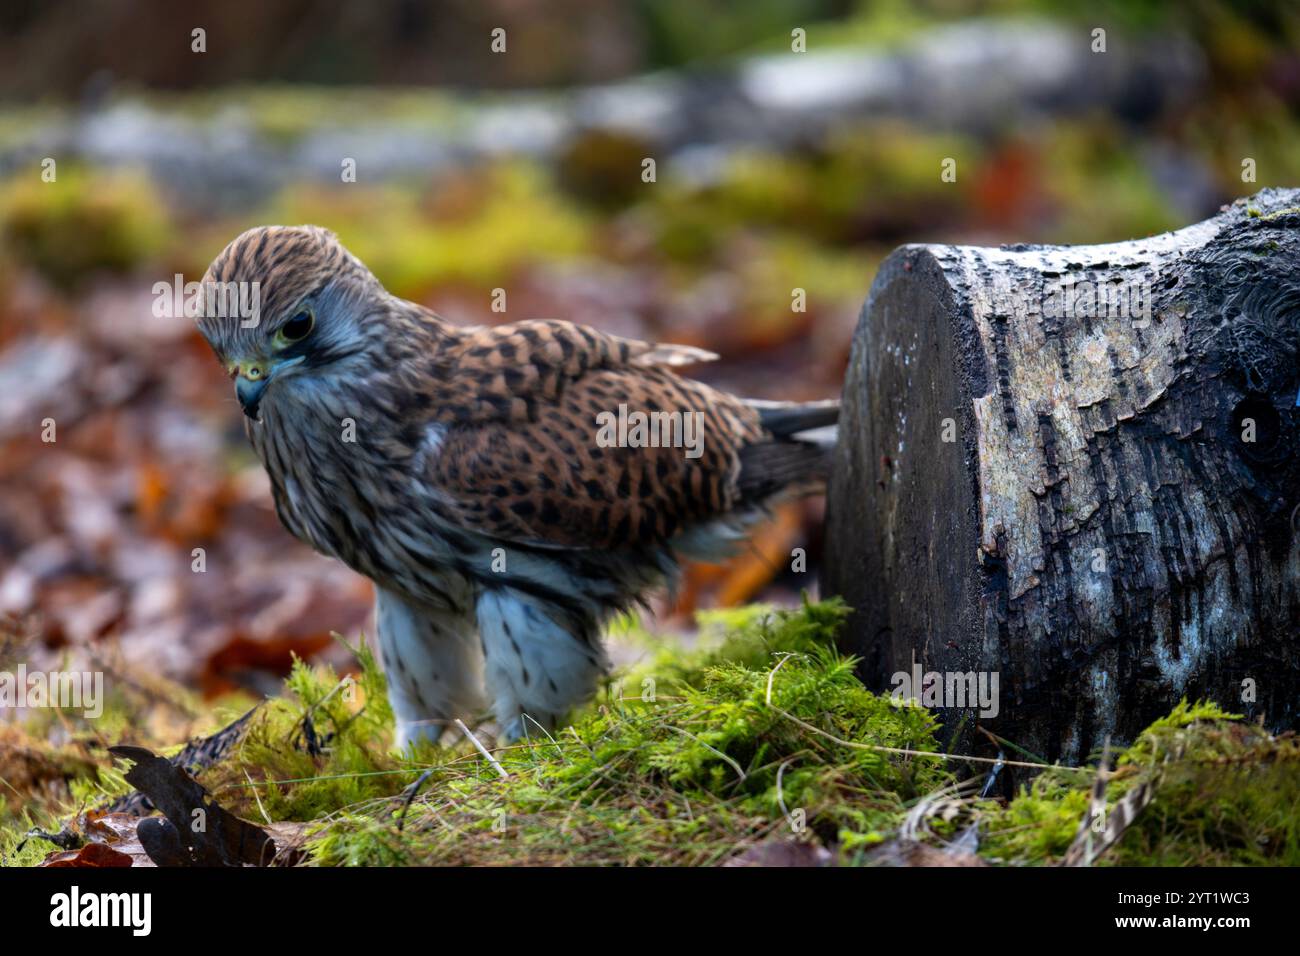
(458, 469)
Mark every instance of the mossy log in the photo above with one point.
(1076, 467)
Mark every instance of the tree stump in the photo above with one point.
(1076, 468)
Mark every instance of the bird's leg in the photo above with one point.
(433, 664)
(537, 669)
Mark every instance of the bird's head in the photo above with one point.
(287, 303)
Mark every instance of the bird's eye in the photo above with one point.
(299, 327)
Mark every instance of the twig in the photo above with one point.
(265, 816)
(739, 769)
(772, 674)
(881, 748)
(573, 730)
(480, 748)
(554, 742)
(780, 794)
(313, 779)
(411, 791)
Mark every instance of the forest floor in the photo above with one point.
(758, 746)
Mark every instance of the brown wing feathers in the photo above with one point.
(495, 373)
(530, 468)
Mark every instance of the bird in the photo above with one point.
(477, 477)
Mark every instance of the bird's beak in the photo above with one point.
(249, 392)
(251, 379)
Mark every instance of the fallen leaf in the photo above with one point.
(196, 831)
(909, 853)
(90, 855)
(197, 756)
(783, 853)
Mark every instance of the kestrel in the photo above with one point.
(499, 485)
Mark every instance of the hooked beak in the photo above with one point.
(251, 379)
(249, 393)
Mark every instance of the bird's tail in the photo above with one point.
(797, 457)
(788, 419)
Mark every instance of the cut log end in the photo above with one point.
(1075, 468)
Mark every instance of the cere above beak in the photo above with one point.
(251, 379)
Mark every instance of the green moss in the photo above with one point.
(1224, 796)
(81, 223)
(480, 230)
(1227, 795)
(1039, 825)
(761, 729)
(13, 836)
(603, 168)
(322, 747)
(1288, 211)
(692, 766)
(1082, 160)
(828, 194)
(286, 113)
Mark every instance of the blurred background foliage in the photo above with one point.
(776, 171)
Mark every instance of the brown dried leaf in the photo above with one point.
(90, 855)
(197, 830)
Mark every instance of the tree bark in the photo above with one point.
(1075, 468)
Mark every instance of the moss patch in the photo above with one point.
(82, 223)
(761, 731)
